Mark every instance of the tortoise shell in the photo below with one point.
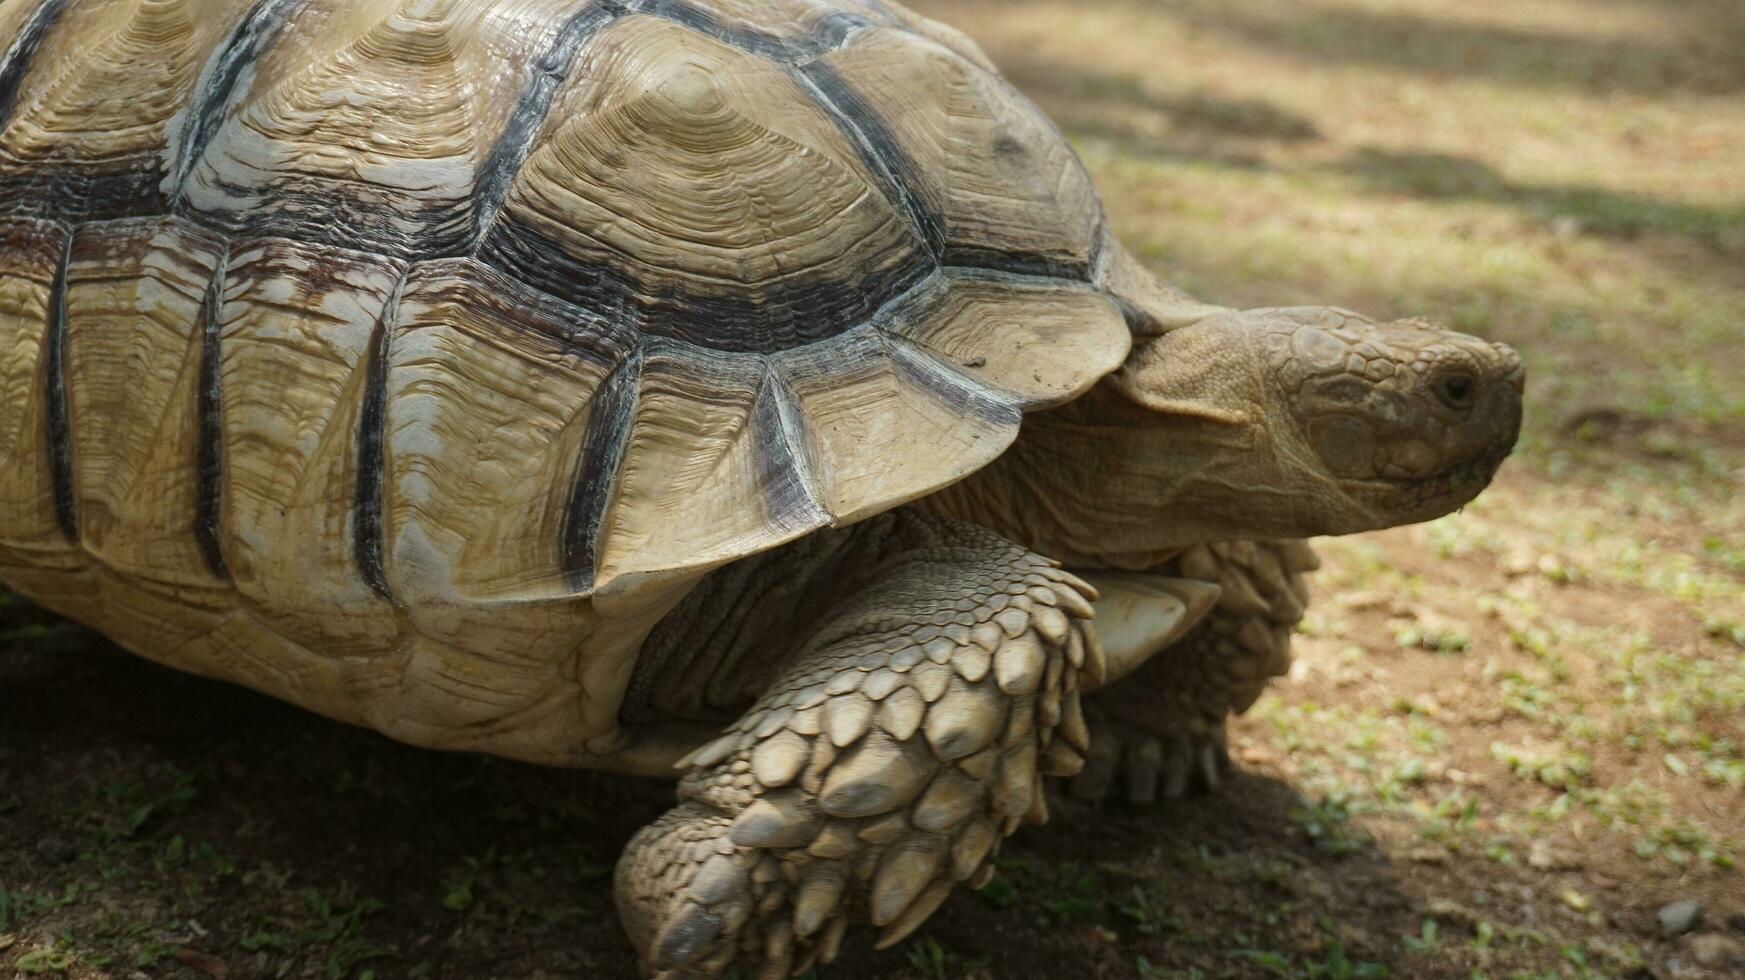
(407, 359)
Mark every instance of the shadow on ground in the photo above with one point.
(1188, 126)
(158, 822)
(1201, 111)
(1142, 123)
(1505, 55)
(1591, 210)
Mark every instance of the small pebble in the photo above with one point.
(1679, 918)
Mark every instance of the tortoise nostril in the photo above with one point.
(1457, 391)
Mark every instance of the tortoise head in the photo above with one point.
(1328, 423)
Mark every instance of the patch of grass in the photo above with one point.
(1330, 963)
(165, 791)
(1328, 823)
(17, 905)
(934, 962)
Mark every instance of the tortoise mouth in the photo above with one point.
(1447, 488)
(1468, 477)
(1477, 443)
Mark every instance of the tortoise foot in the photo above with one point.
(911, 733)
(1144, 766)
(695, 902)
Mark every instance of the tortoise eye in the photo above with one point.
(1457, 390)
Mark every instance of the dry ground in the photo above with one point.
(1511, 737)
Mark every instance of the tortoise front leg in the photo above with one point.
(1160, 731)
(903, 740)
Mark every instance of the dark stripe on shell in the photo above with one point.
(82, 192)
(18, 57)
(511, 149)
(368, 539)
(883, 155)
(609, 421)
(574, 330)
(356, 217)
(827, 35)
(209, 409)
(784, 471)
(59, 435)
(965, 395)
(968, 256)
(212, 95)
(877, 147)
(759, 318)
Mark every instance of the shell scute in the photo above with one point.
(698, 191)
(881, 422)
(708, 472)
(1007, 190)
(295, 336)
(88, 128)
(1036, 342)
(477, 360)
(31, 535)
(374, 123)
(134, 335)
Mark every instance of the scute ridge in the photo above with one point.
(782, 431)
(609, 423)
(192, 129)
(509, 154)
(831, 32)
(18, 56)
(369, 537)
(878, 150)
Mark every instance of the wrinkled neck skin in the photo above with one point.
(1100, 483)
(1259, 424)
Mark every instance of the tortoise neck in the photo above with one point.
(1103, 483)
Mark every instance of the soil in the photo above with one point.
(1510, 739)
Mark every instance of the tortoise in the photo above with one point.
(748, 391)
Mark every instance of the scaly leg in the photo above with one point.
(905, 737)
(1160, 730)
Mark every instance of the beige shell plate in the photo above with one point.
(407, 359)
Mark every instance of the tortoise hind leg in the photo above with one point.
(1160, 731)
(905, 738)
